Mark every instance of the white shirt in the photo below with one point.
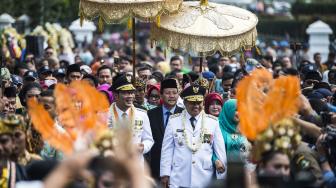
(120, 112)
(180, 102)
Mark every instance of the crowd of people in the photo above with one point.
(184, 121)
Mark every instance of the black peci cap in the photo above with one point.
(73, 68)
(168, 83)
(10, 92)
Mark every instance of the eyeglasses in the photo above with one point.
(154, 96)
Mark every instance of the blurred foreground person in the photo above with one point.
(113, 162)
(270, 124)
(274, 163)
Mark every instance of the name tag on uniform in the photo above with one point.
(138, 124)
(179, 130)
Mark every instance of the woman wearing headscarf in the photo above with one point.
(236, 144)
(213, 103)
(104, 88)
(153, 95)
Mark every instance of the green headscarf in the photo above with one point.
(234, 141)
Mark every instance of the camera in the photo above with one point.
(226, 95)
(330, 143)
(326, 118)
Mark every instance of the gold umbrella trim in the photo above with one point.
(203, 45)
(116, 12)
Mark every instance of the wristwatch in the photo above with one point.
(322, 159)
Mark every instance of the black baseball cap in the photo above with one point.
(44, 70)
(59, 72)
(16, 80)
(30, 76)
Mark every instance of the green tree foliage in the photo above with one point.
(315, 8)
(41, 11)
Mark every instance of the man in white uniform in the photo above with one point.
(190, 140)
(122, 110)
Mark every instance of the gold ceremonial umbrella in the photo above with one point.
(114, 11)
(205, 28)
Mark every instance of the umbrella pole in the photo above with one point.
(133, 45)
(201, 64)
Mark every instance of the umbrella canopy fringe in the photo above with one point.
(114, 13)
(204, 45)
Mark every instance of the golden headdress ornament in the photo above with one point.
(202, 82)
(138, 82)
(11, 122)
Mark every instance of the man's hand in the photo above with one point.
(219, 166)
(305, 107)
(140, 148)
(319, 147)
(165, 181)
(70, 168)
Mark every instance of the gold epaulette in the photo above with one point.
(35, 156)
(142, 110)
(175, 115)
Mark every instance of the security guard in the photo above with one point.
(305, 159)
(122, 110)
(189, 142)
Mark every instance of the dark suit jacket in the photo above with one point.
(155, 116)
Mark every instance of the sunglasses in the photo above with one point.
(311, 82)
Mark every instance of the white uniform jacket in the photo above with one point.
(142, 132)
(185, 168)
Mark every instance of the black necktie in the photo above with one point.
(192, 121)
(167, 118)
(124, 116)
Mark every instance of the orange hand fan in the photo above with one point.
(262, 101)
(44, 124)
(79, 108)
